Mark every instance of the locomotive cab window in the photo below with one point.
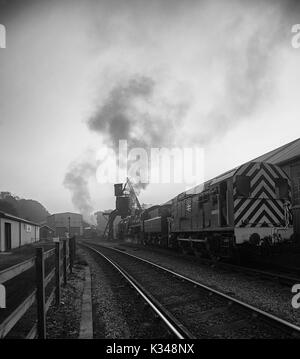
(281, 188)
(243, 186)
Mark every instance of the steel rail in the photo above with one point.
(172, 324)
(286, 278)
(272, 276)
(264, 314)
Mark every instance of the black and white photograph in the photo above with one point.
(149, 173)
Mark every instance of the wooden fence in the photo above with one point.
(64, 253)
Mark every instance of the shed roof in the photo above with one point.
(65, 213)
(46, 226)
(202, 186)
(17, 219)
(282, 154)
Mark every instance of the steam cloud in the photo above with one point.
(132, 111)
(76, 180)
(248, 79)
(241, 60)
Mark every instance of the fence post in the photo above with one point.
(65, 260)
(72, 253)
(57, 273)
(68, 252)
(40, 297)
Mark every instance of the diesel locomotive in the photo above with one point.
(247, 208)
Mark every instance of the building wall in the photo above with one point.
(46, 233)
(29, 233)
(60, 222)
(21, 233)
(15, 239)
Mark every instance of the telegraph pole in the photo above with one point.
(69, 219)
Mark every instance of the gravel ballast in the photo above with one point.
(264, 294)
(118, 312)
(63, 322)
(201, 313)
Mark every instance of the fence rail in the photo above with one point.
(64, 255)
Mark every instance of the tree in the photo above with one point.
(7, 207)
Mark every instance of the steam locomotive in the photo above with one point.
(243, 210)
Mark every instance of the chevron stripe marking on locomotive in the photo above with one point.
(275, 216)
(257, 175)
(274, 172)
(278, 171)
(271, 220)
(262, 204)
(266, 187)
(255, 208)
(253, 205)
(263, 219)
(270, 170)
(263, 186)
(246, 204)
(243, 205)
(250, 171)
(263, 192)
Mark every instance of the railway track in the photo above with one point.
(174, 328)
(190, 309)
(288, 279)
(284, 275)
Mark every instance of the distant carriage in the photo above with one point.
(156, 225)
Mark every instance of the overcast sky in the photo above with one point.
(221, 75)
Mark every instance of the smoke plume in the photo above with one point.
(76, 180)
(208, 74)
(135, 111)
